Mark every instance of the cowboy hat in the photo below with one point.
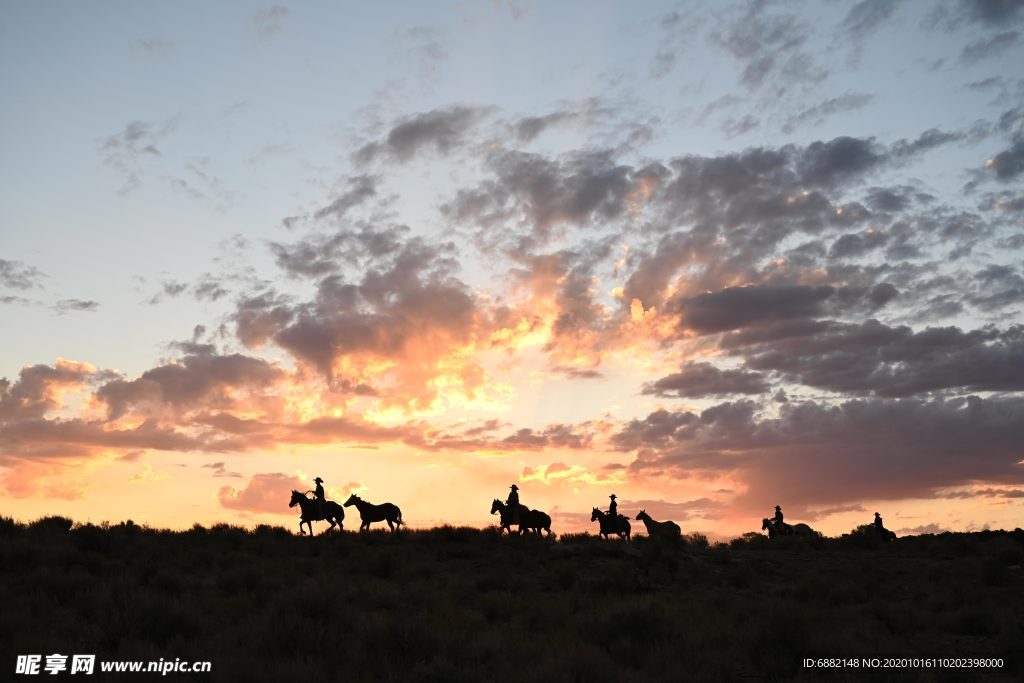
(613, 496)
(319, 480)
(514, 487)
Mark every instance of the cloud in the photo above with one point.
(572, 476)
(826, 164)
(871, 357)
(264, 493)
(388, 308)
(148, 475)
(128, 151)
(68, 305)
(699, 380)
(529, 128)
(1009, 163)
(736, 307)
(220, 470)
(360, 189)
(443, 130)
(156, 47)
(769, 47)
(18, 275)
(196, 381)
(989, 13)
(552, 436)
(818, 113)
(990, 46)
(866, 16)
(270, 20)
(662, 510)
(579, 188)
(39, 388)
(63, 439)
(852, 245)
(855, 450)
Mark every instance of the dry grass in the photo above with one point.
(459, 604)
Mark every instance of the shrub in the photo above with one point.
(91, 538)
(696, 541)
(8, 527)
(52, 524)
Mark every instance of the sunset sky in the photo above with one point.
(709, 257)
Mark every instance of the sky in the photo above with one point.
(709, 257)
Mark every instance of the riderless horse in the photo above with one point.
(368, 512)
(667, 529)
(618, 525)
(774, 530)
(529, 520)
(311, 511)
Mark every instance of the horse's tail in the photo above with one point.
(399, 520)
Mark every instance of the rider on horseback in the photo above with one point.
(513, 503)
(321, 497)
(778, 516)
(878, 523)
(613, 508)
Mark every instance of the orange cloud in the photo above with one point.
(266, 493)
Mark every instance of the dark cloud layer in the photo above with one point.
(698, 380)
(871, 357)
(737, 307)
(816, 453)
(195, 381)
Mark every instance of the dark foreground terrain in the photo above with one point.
(460, 604)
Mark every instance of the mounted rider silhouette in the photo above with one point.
(513, 503)
(878, 523)
(321, 497)
(613, 508)
(778, 517)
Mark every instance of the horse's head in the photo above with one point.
(766, 524)
(352, 500)
(642, 515)
(595, 515)
(296, 499)
(495, 506)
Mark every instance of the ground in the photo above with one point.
(460, 604)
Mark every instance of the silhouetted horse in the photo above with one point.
(611, 525)
(529, 520)
(884, 533)
(368, 512)
(332, 513)
(800, 529)
(667, 529)
(506, 518)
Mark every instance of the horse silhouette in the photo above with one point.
(529, 520)
(310, 512)
(774, 529)
(885, 534)
(618, 525)
(667, 529)
(369, 513)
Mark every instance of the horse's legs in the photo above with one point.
(301, 530)
(390, 525)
